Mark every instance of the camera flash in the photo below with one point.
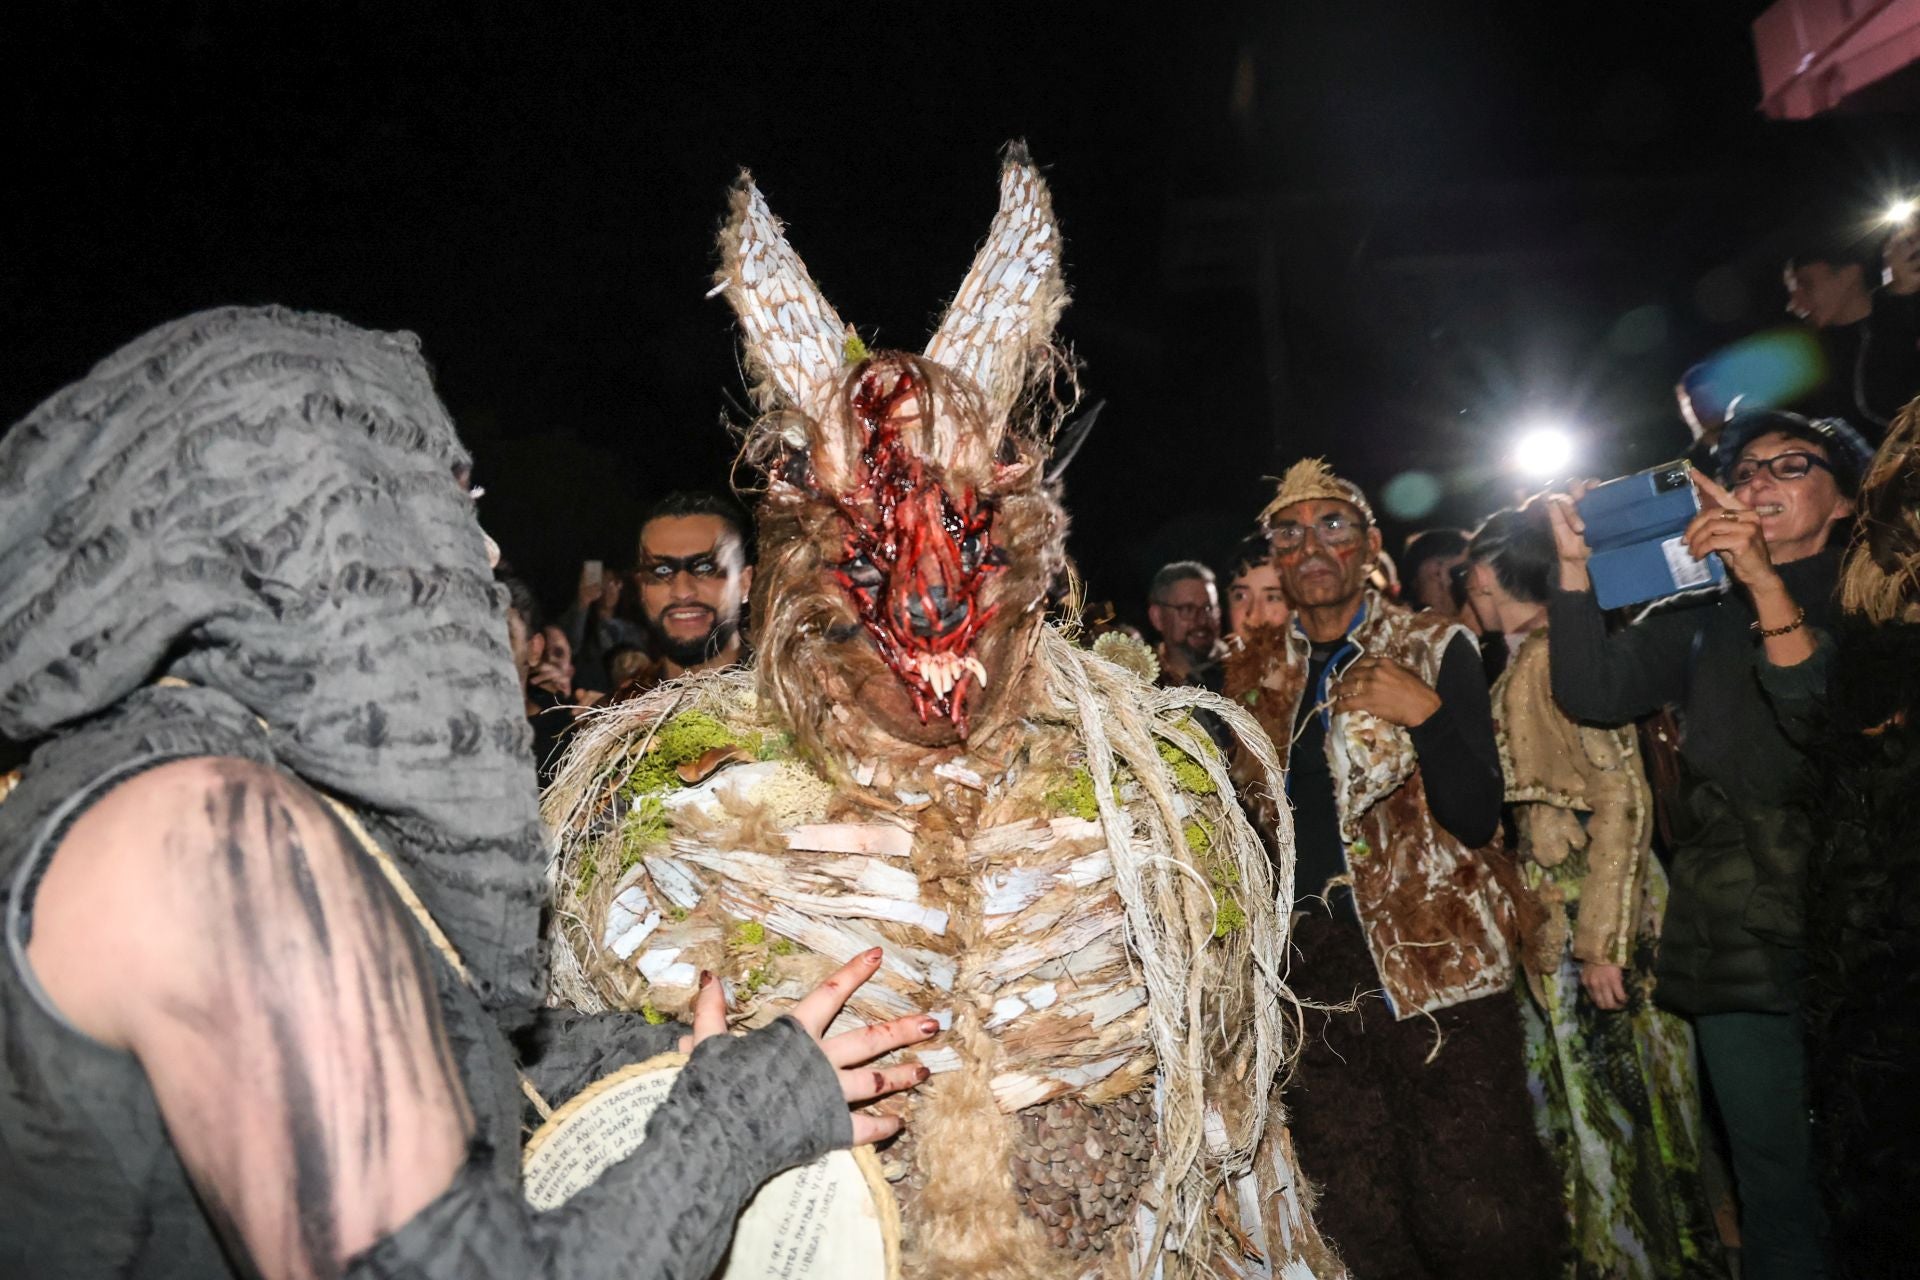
(1543, 451)
(1899, 211)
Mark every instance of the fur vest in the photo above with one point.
(1442, 921)
(1556, 771)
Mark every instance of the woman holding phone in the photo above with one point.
(1730, 953)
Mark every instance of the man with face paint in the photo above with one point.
(693, 578)
(1417, 1124)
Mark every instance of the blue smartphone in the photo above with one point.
(1634, 526)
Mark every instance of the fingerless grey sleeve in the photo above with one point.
(564, 1051)
(745, 1108)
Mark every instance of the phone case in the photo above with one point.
(1634, 526)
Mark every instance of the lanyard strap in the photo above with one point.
(402, 889)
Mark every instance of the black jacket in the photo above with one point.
(1873, 366)
(1854, 703)
(1732, 936)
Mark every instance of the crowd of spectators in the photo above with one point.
(1605, 924)
(1552, 863)
(1670, 927)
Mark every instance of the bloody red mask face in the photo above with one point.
(916, 556)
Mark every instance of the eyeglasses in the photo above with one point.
(1333, 530)
(1783, 466)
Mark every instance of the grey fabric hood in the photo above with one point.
(262, 502)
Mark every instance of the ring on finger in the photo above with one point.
(1727, 513)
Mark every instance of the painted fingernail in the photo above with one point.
(928, 1026)
(706, 979)
(920, 1074)
(873, 956)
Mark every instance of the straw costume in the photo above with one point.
(1047, 846)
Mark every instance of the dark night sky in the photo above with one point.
(1450, 213)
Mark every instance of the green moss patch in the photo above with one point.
(756, 978)
(1074, 797)
(1223, 876)
(685, 738)
(645, 827)
(1188, 774)
(1227, 916)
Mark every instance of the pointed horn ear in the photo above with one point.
(793, 342)
(1002, 319)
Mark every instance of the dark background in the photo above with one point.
(1386, 233)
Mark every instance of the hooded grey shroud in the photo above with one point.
(263, 503)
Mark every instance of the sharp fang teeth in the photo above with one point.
(979, 672)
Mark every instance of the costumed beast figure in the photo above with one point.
(1048, 847)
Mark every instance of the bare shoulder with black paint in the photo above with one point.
(213, 918)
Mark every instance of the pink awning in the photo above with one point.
(1815, 54)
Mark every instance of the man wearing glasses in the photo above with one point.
(1730, 948)
(1410, 1104)
(1183, 603)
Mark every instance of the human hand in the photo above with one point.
(1728, 527)
(609, 599)
(845, 1051)
(588, 697)
(1570, 535)
(551, 678)
(1388, 690)
(592, 575)
(1606, 984)
(1902, 255)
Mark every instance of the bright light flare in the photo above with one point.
(1543, 451)
(1900, 212)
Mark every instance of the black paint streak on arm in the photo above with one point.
(313, 1064)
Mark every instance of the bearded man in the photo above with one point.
(1183, 603)
(694, 578)
(1416, 1124)
(1049, 845)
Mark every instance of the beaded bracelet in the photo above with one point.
(1799, 620)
